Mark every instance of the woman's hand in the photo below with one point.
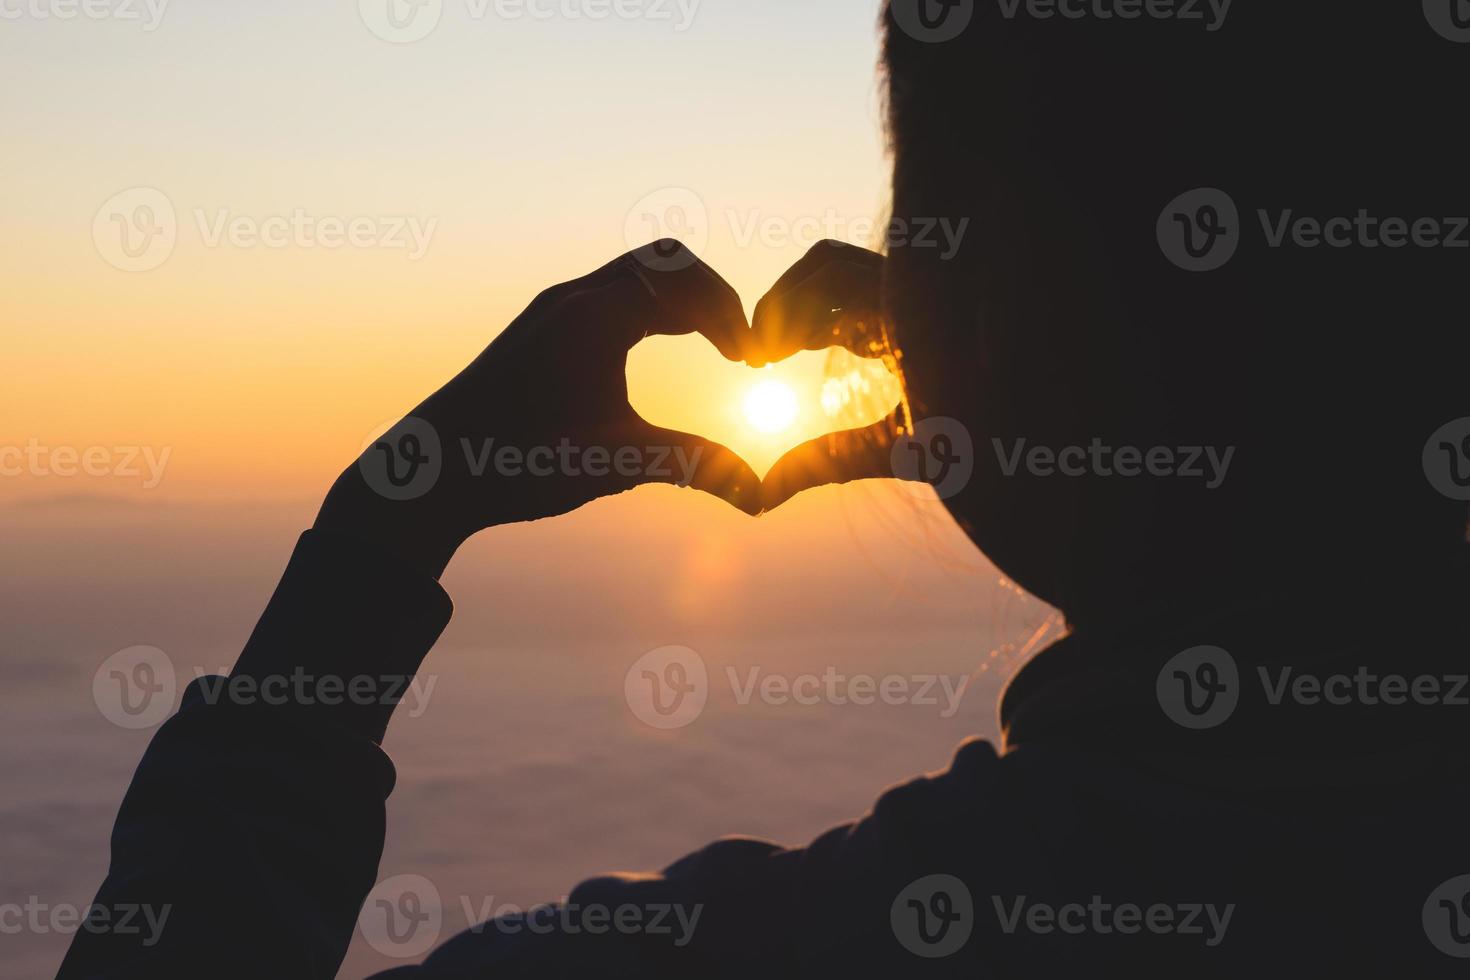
(540, 423)
(831, 298)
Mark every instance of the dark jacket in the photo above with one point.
(1292, 835)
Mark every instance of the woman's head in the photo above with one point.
(1067, 321)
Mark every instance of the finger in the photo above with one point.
(689, 296)
(841, 457)
(835, 304)
(824, 252)
(598, 279)
(694, 461)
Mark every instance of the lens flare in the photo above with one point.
(771, 407)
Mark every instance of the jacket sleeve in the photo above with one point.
(746, 908)
(253, 826)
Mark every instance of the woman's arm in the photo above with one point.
(254, 823)
(253, 827)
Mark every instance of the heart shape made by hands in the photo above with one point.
(759, 413)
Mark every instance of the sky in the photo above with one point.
(494, 157)
(238, 238)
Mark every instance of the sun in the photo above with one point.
(771, 407)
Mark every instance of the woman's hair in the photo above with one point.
(1069, 144)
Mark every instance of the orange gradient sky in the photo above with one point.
(261, 366)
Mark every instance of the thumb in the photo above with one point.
(840, 457)
(697, 462)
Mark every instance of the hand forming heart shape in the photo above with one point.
(842, 419)
(488, 448)
(684, 383)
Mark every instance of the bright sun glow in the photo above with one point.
(771, 406)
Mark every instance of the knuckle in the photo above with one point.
(669, 246)
(552, 295)
(662, 255)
